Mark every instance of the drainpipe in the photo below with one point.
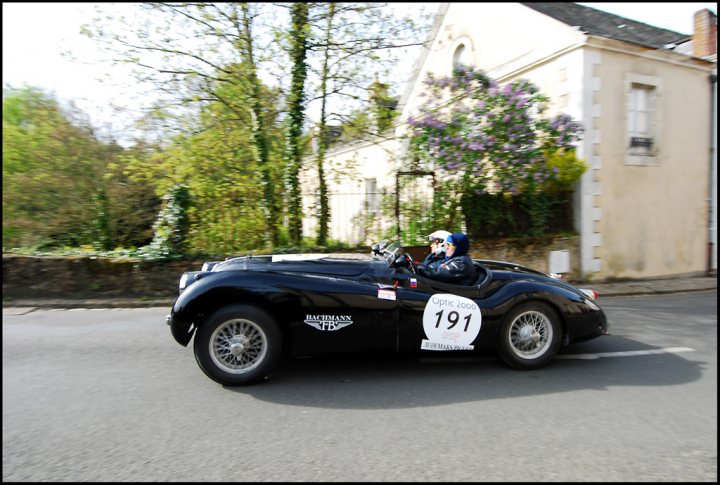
(712, 243)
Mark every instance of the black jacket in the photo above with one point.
(458, 270)
(433, 259)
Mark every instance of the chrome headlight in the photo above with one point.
(184, 281)
(591, 304)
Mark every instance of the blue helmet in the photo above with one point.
(461, 242)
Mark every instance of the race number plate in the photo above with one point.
(450, 322)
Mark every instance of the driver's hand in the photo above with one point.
(421, 267)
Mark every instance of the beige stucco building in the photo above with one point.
(644, 96)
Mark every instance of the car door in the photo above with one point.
(344, 315)
(437, 316)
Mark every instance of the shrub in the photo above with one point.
(172, 225)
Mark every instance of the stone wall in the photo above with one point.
(76, 277)
(531, 252)
(79, 277)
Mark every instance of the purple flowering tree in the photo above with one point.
(480, 137)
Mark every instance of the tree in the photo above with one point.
(296, 114)
(191, 55)
(322, 141)
(61, 185)
(172, 225)
(191, 51)
(272, 209)
(217, 162)
(347, 44)
(51, 173)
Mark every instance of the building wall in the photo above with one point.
(347, 169)
(654, 211)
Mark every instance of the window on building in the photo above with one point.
(462, 57)
(643, 119)
(639, 116)
(372, 197)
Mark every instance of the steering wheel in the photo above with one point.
(410, 262)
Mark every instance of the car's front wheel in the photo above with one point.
(530, 336)
(238, 344)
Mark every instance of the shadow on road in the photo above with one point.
(391, 381)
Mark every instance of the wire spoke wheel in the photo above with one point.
(238, 346)
(530, 336)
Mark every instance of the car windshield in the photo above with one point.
(387, 250)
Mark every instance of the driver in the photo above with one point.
(437, 248)
(457, 267)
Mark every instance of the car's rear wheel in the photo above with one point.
(238, 344)
(530, 336)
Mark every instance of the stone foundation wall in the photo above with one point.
(531, 252)
(76, 277)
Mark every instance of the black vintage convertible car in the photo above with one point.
(245, 312)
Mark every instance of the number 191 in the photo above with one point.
(453, 317)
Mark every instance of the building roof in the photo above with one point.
(603, 24)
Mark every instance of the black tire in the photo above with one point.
(238, 345)
(530, 336)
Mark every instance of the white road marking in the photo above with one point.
(628, 353)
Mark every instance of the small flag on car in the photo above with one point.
(413, 283)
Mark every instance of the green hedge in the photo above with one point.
(494, 216)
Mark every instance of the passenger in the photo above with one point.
(457, 267)
(437, 248)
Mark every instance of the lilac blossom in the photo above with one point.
(493, 127)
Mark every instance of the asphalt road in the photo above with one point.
(107, 395)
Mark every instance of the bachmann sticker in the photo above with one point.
(450, 322)
(328, 322)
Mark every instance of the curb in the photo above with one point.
(95, 303)
(611, 294)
